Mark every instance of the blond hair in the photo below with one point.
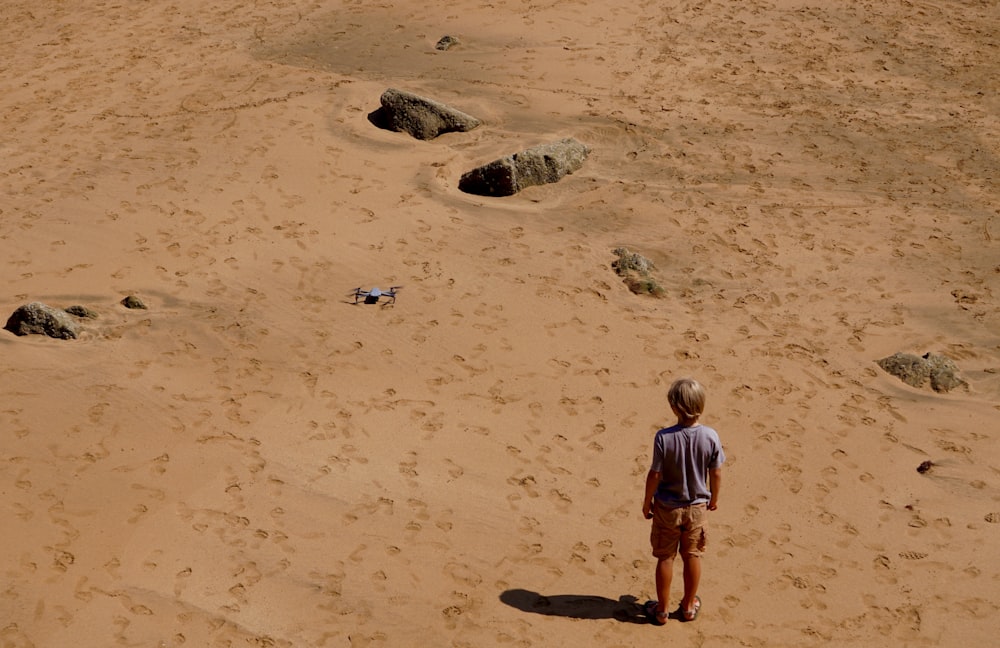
(687, 397)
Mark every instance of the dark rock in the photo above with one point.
(38, 319)
(82, 312)
(446, 42)
(925, 466)
(538, 165)
(133, 302)
(917, 370)
(497, 178)
(420, 117)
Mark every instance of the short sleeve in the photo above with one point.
(718, 457)
(657, 465)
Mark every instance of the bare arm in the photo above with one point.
(652, 481)
(714, 484)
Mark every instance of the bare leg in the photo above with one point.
(664, 574)
(692, 577)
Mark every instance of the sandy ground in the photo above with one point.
(254, 460)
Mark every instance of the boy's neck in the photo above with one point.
(687, 422)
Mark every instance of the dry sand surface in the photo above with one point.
(256, 461)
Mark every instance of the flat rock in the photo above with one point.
(421, 117)
(538, 165)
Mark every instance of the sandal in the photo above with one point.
(655, 616)
(692, 614)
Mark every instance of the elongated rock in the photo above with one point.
(538, 165)
(420, 117)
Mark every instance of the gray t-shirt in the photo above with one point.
(683, 457)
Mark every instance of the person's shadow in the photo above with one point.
(626, 609)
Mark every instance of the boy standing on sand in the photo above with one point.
(682, 485)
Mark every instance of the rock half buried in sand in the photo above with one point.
(637, 272)
(83, 312)
(133, 302)
(944, 373)
(916, 370)
(38, 319)
(446, 43)
(420, 117)
(538, 165)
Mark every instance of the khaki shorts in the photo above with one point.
(683, 526)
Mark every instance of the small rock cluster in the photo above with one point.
(426, 119)
(37, 318)
(917, 371)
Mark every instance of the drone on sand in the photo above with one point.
(375, 294)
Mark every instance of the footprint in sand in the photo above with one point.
(527, 482)
(454, 470)
(615, 516)
(560, 499)
(62, 560)
(462, 574)
(181, 579)
(782, 535)
(912, 555)
(419, 508)
(409, 467)
(529, 525)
